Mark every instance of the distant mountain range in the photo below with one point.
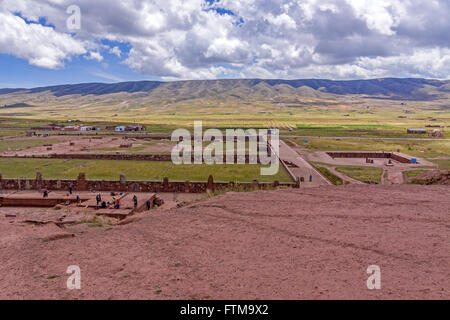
(392, 88)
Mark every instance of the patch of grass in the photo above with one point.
(11, 133)
(12, 145)
(418, 148)
(444, 164)
(133, 170)
(334, 179)
(93, 222)
(412, 173)
(107, 149)
(364, 174)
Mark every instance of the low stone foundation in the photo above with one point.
(370, 155)
(82, 184)
(127, 157)
(34, 202)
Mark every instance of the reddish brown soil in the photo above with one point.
(286, 244)
(82, 145)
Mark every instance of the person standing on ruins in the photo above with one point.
(98, 198)
(149, 205)
(135, 200)
(70, 189)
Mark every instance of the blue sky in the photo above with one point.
(18, 73)
(209, 39)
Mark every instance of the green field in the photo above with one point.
(443, 164)
(412, 173)
(12, 145)
(11, 133)
(364, 174)
(334, 179)
(425, 148)
(133, 170)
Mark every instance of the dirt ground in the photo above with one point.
(314, 243)
(101, 144)
(95, 145)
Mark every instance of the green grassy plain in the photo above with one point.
(334, 179)
(412, 173)
(418, 148)
(363, 174)
(11, 145)
(133, 170)
(443, 164)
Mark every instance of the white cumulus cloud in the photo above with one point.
(40, 45)
(196, 39)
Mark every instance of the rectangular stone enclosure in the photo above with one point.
(370, 155)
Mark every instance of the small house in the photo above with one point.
(417, 131)
(436, 133)
(87, 128)
(135, 128)
(71, 128)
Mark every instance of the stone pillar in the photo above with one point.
(210, 185)
(166, 184)
(297, 183)
(38, 181)
(81, 182)
(123, 179)
(58, 184)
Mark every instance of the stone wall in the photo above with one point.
(128, 157)
(400, 159)
(82, 184)
(370, 155)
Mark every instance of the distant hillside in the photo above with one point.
(403, 89)
(16, 105)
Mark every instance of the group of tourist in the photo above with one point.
(101, 203)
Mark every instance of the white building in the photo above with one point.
(87, 128)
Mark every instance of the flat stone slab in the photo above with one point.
(114, 213)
